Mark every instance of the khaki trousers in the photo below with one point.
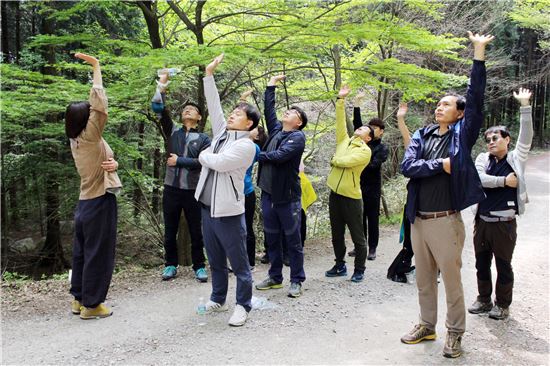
(437, 244)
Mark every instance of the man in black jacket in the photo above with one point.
(281, 193)
(371, 178)
(182, 175)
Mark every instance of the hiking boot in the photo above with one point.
(372, 254)
(418, 334)
(337, 271)
(169, 273)
(239, 316)
(479, 307)
(100, 311)
(268, 284)
(351, 253)
(295, 289)
(452, 348)
(75, 307)
(499, 313)
(357, 276)
(264, 259)
(214, 307)
(201, 275)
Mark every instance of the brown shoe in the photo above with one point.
(499, 313)
(418, 334)
(479, 307)
(75, 307)
(452, 347)
(100, 311)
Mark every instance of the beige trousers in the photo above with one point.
(438, 243)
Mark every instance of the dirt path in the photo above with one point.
(334, 322)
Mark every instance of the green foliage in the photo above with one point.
(534, 14)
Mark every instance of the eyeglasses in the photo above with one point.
(493, 138)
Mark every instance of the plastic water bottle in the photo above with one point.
(171, 71)
(201, 308)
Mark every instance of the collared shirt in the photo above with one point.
(435, 191)
(499, 199)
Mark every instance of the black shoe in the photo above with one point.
(337, 271)
(264, 259)
(286, 261)
(399, 277)
(372, 254)
(351, 253)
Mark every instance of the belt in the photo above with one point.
(496, 219)
(435, 215)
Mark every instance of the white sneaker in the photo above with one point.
(239, 316)
(214, 307)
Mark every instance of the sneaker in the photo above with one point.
(372, 254)
(75, 307)
(268, 284)
(399, 277)
(214, 307)
(264, 259)
(499, 313)
(351, 253)
(201, 275)
(337, 271)
(295, 289)
(452, 348)
(100, 311)
(169, 273)
(418, 334)
(479, 307)
(239, 316)
(357, 276)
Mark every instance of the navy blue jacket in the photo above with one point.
(285, 158)
(466, 188)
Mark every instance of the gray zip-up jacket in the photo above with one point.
(516, 158)
(229, 164)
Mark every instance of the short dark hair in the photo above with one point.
(303, 116)
(76, 118)
(193, 105)
(460, 100)
(377, 122)
(252, 113)
(262, 137)
(502, 130)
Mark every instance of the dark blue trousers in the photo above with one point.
(95, 222)
(283, 219)
(225, 238)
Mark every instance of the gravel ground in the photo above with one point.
(334, 322)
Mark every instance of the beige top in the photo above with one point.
(89, 150)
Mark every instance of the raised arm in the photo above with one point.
(165, 119)
(97, 100)
(269, 103)
(357, 102)
(473, 113)
(405, 133)
(341, 131)
(213, 97)
(525, 137)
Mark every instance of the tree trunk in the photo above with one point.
(17, 31)
(149, 10)
(5, 38)
(157, 161)
(139, 166)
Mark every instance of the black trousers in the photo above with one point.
(498, 239)
(371, 214)
(174, 200)
(95, 223)
(249, 210)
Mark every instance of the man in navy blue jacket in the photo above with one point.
(278, 170)
(443, 181)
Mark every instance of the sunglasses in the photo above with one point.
(493, 138)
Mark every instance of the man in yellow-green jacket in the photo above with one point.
(345, 204)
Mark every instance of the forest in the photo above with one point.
(406, 50)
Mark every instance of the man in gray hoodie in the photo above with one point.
(502, 177)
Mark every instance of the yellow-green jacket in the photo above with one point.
(351, 157)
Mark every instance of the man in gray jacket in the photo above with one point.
(220, 192)
(502, 176)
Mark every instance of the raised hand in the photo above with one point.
(247, 93)
(344, 91)
(523, 96)
(213, 65)
(480, 41)
(402, 111)
(359, 97)
(110, 165)
(87, 58)
(275, 79)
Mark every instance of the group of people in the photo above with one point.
(210, 180)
